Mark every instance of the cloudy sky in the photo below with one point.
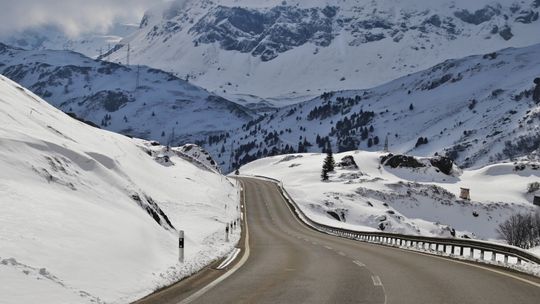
(73, 16)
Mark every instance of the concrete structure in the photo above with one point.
(465, 194)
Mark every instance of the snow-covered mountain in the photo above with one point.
(90, 216)
(371, 192)
(295, 48)
(52, 38)
(477, 110)
(136, 101)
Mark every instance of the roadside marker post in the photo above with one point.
(227, 233)
(181, 246)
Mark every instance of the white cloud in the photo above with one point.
(72, 16)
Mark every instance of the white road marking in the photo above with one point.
(328, 247)
(376, 280)
(342, 253)
(229, 259)
(360, 264)
(242, 261)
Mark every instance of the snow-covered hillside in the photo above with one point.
(477, 110)
(52, 38)
(417, 201)
(271, 48)
(90, 216)
(137, 101)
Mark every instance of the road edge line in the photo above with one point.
(242, 261)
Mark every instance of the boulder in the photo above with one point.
(401, 161)
(348, 162)
(445, 164)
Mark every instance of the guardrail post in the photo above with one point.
(181, 246)
(471, 253)
(493, 256)
(506, 258)
(452, 249)
(227, 233)
(461, 250)
(444, 248)
(481, 254)
(518, 260)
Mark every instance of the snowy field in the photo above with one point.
(420, 201)
(89, 216)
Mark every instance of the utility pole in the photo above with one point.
(128, 51)
(171, 138)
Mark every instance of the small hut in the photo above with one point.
(536, 200)
(465, 194)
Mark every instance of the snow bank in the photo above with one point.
(419, 201)
(89, 216)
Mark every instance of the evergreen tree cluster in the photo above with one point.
(421, 141)
(214, 139)
(341, 105)
(106, 121)
(323, 143)
(303, 146)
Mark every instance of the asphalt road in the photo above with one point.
(290, 263)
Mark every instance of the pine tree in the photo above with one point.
(328, 164)
(324, 175)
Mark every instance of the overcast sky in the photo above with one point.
(73, 16)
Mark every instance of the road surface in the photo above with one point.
(290, 263)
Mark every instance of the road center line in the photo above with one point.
(376, 280)
(360, 264)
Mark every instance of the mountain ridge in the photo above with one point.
(301, 49)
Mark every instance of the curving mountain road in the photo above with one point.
(290, 263)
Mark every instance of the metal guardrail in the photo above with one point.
(452, 247)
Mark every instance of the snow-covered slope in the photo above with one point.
(90, 216)
(477, 110)
(423, 200)
(51, 38)
(271, 48)
(137, 101)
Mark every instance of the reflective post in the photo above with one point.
(181, 246)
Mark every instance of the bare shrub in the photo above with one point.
(533, 187)
(521, 230)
